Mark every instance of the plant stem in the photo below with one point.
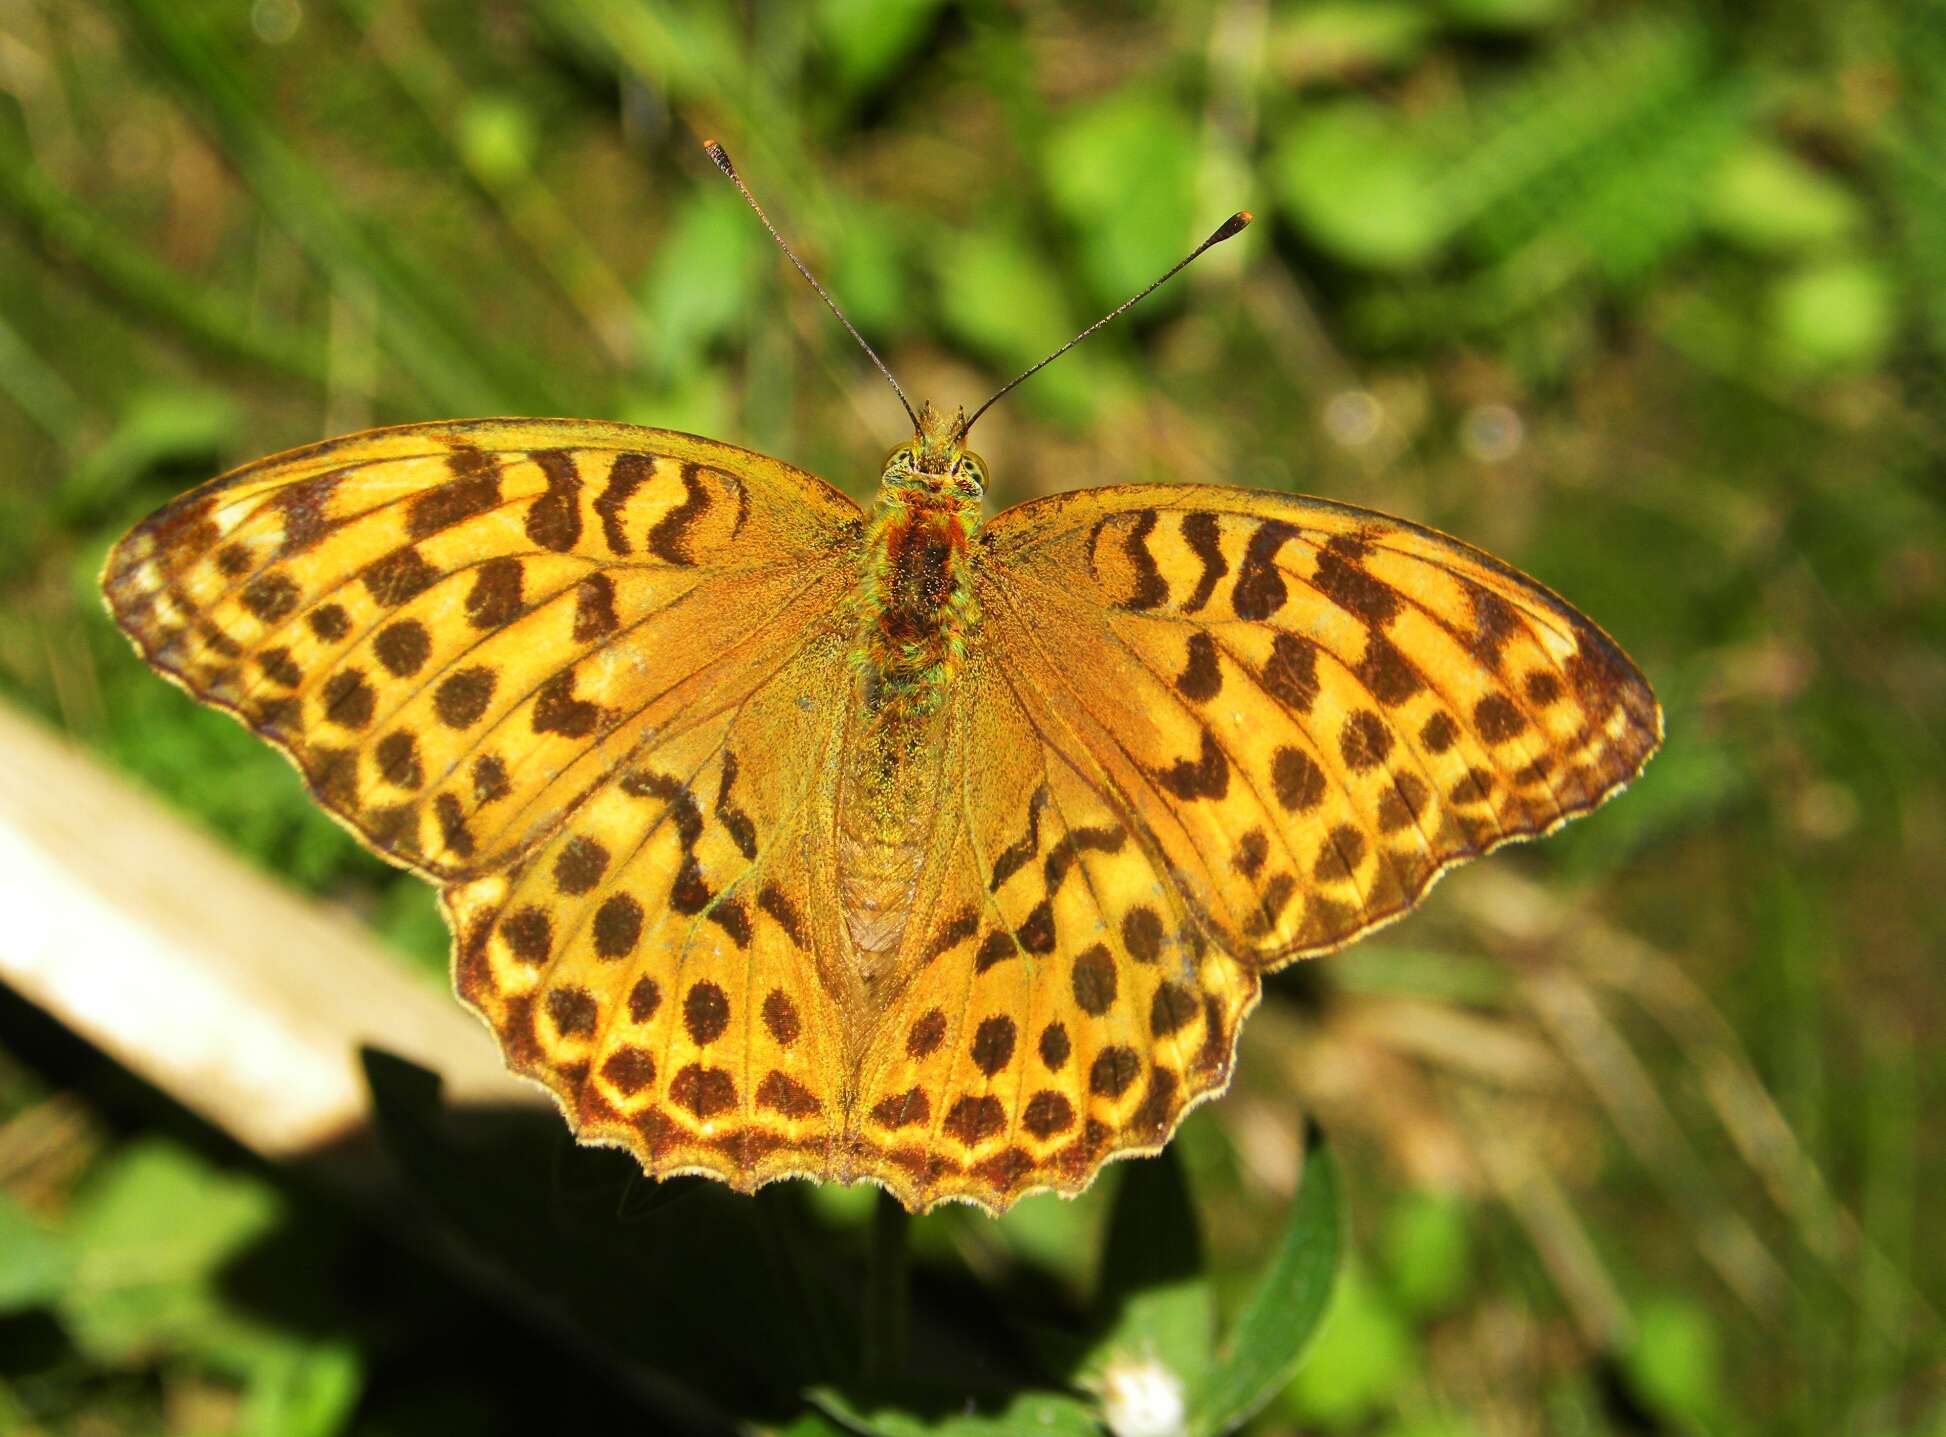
(888, 1270)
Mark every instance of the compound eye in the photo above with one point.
(895, 453)
(973, 467)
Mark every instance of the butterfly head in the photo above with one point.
(936, 458)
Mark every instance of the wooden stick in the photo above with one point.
(241, 999)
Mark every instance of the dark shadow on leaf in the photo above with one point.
(713, 1304)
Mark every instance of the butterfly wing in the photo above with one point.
(1208, 731)
(574, 672)
(1061, 1005)
(455, 630)
(655, 961)
(1314, 708)
(582, 675)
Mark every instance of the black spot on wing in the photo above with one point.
(743, 833)
(1018, 854)
(1202, 676)
(1347, 584)
(594, 608)
(473, 489)
(1208, 776)
(1260, 590)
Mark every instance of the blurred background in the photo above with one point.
(1640, 1126)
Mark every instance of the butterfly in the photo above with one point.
(780, 839)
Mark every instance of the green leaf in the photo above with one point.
(997, 297)
(705, 281)
(1644, 200)
(697, 401)
(1059, 1234)
(868, 272)
(36, 1264)
(1154, 1292)
(1675, 1363)
(1834, 317)
(1506, 15)
(151, 1237)
(1342, 35)
(159, 429)
(1766, 199)
(1602, 147)
(1364, 1354)
(498, 138)
(686, 50)
(937, 1414)
(811, 1423)
(867, 39)
(1277, 1323)
(304, 1394)
(1122, 172)
(1427, 1250)
(1360, 186)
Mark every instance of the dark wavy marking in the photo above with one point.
(668, 539)
(554, 519)
(1202, 531)
(629, 473)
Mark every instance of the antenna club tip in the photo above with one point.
(1234, 225)
(722, 156)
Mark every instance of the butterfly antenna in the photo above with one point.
(722, 158)
(1234, 225)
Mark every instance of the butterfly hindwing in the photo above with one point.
(654, 962)
(1062, 1006)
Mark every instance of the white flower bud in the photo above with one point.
(1141, 1398)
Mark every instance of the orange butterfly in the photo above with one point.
(782, 840)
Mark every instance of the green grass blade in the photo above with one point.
(1261, 1352)
(452, 360)
(64, 226)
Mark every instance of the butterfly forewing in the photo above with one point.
(456, 631)
(1309, 710)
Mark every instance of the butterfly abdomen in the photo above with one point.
(888, 799)
(917, 604)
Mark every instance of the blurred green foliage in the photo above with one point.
(1650, 299)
